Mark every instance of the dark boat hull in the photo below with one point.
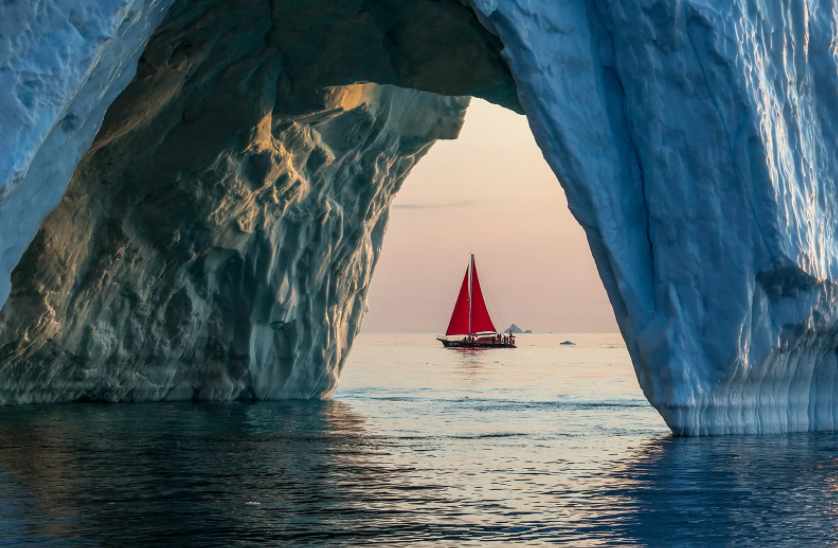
(461, 344)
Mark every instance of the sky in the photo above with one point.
(490, 193)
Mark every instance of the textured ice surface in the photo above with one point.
(62, 63)
(218, 239)
(695, 140)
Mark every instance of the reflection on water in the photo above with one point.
(421, 445)
(117, 474)
(769, 490)
(470, 362)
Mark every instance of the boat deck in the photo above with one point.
(475, 344)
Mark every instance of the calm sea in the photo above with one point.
(419, 446)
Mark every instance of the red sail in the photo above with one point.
(459, 318)
(480, 320)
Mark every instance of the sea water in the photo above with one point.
(420, 445)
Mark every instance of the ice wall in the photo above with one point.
(216, 265)
(696, 141)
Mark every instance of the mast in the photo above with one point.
(470, 290)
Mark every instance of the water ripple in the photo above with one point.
(466, 453)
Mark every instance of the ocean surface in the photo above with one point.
(420, 445)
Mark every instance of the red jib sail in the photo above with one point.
(459, 318)
(480, 320)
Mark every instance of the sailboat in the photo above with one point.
(470, 325)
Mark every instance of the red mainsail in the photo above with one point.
(480, 320)
(459, 318)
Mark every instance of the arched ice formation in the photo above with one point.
(218, 235)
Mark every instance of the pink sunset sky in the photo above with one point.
(490, 193)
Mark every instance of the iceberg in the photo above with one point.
(696, 144)
(251, 150)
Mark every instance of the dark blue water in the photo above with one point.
(419, 446)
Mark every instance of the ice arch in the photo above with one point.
(217, 240)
